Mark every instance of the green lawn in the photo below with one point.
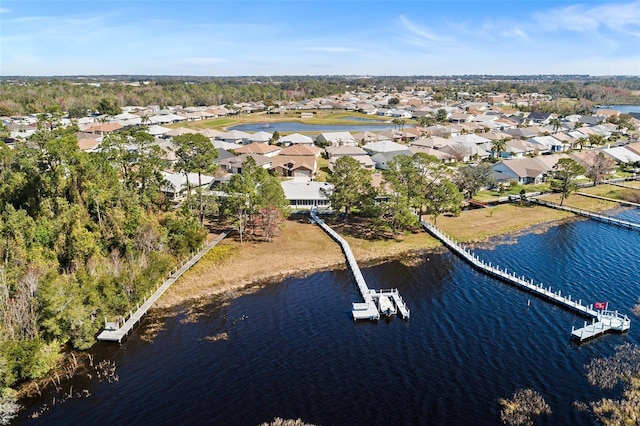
(320, 117)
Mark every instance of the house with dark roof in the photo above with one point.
(540, 118)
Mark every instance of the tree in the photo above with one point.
(556, 123)
(243, 192)
(196, 154)
(413, 176)
(444, 197)
(441, 115)
(272, 206)
(565, 173)
(352, 186)
(275, 138)
(581, 141)
(498, 146)
(470, 179)
(427, 120)
(109, 106)
(595, 139)
(599, 168)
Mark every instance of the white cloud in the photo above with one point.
(582, 18)
(419, 34)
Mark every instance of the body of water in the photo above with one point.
(289, 127)
(624, 109)
(290, 349)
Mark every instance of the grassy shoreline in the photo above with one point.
(304, 249)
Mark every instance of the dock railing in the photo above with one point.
(589, 214)
(115, 331)
(360, 310)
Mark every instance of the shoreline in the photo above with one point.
(304, 249)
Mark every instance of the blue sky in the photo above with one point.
(315, 37)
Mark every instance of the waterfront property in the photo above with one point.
(602, 321)
(368, 309)
(591, 215)
(117, 330)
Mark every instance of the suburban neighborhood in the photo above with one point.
(523, 147)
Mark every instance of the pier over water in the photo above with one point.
(116, 331)
(600, 321)
(367, 309)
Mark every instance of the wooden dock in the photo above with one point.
(613, 200)
(606, 320)
(367, 309)
(602, 320)
(116, 331)
(591, 215)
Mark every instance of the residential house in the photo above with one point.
(262, 137)
(259, 148)
(523, 170)
(234, 164)
(382, 159)
(548, 144)
(539, 118)
(336, 138)
(383, 147)
(621, 155)
(357, 153)
(440, 155)
(305, 195)
(235, 137)
(300, 167)
(296, 139)
(175, 185)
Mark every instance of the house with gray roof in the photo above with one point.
(336, 138)
(523, 170)
(296, 139)
(305, 195)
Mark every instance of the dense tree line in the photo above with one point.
(86, 236)
(80, 98)
(80, 240)
(105, 94)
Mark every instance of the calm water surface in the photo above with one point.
(288, 127)
(293, 351)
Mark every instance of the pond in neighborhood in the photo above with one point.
(292, 127)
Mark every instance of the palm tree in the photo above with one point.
(580, 141)
(555, 122)
(498, 146)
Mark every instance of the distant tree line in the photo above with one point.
(80, 95)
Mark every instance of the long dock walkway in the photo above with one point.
(116, 331)
(367, 309)
(599, 197)
(601, 321)
(621, 185)
(591, 215)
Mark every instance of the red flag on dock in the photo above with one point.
(600, 305)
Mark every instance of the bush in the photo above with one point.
(28, 359)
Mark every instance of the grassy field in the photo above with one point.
(303, 249)
(320, 117)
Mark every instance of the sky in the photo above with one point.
(318, 37)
